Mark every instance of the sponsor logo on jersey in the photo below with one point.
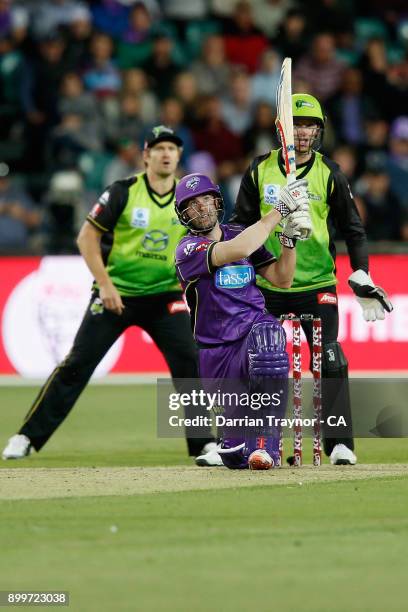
(234, 277)
(193, 247)
(189, 248)
(156, 240)
(326, 298)
(271, 194)
(104, 198)
(140, 217)
(177, 306)
(96, 209)
(313, 196)
(193, 182)
(203, 246)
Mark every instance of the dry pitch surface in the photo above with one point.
(46, 483)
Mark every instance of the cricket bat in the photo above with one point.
(284, 123)
(284, 119)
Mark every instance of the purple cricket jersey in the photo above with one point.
(224, 302)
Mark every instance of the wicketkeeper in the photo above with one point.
(313, 290)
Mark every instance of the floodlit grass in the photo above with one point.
(319, 547)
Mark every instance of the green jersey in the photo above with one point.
(331, 208)
(140, 233)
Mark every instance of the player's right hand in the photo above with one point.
(111, 298)
(292, 197)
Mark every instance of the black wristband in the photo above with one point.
(282, 208)
(287, 242)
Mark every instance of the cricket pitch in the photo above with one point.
(47, 483)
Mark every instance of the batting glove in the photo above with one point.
(292, 196)
(372, 299)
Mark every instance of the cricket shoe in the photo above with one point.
(341, 455)
(209, 456)
(18, 446)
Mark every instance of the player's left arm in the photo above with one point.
(372, 299)
(347, 218)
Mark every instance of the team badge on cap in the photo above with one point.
(193, 183)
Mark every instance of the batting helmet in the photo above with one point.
(187, 189)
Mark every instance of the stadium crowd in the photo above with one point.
(82, 83)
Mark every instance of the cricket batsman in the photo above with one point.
(217, 266)
(313, 290)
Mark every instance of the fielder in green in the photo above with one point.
(128, 242)
(313, 290)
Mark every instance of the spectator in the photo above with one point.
(78, 37)
(19, 217)
(397, 166)
(74, 100)
(186, 91)
(260, 137)
(244, 42)
(181, 12)
(335, 15)
(102, 77)
(349, 108)
(265, 81)
(47, 16)
(126, 123)
(292, 36)
(321, 68)
(223, 8)
(375, 148)
(41, 85)
(213, 135)
(375, 66)
(212, 70)
(135, 84)
(172, 114)
(11, 75)
(345, 156)
(237, 107)
(69, 139)
(269, 14)
(110, 16)
(136, 42)
(13, 21)
(160, 68)
(128, 158)
(64, 202)
(384, 215)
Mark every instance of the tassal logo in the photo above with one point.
(234, 277)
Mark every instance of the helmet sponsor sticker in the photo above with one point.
(326, 298)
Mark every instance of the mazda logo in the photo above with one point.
(156, 240)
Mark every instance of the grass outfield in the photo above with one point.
(162, 535)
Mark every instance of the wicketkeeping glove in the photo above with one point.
(372, 299)
(292, 196)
